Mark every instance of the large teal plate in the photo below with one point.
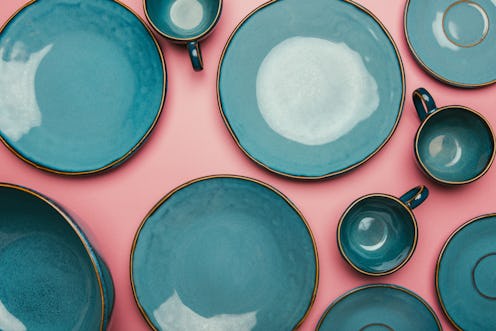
(380, 307)
(82, 84)
(466, 275)
(454, 40)
(350, 133)
(224, 253)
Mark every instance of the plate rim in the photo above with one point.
(131, 151)
(332, 173)
(441, 255)
(225, 176)
(379, 285)
(424, 65)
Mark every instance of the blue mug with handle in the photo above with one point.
(378, 233)
(454, 145)
(185, 22)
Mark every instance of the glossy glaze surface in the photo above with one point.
(377, 234)
(49, 272)
(379, 308)
(183, 19)
(224, 253)
(466, 275)
(454, 40)
(319, 117)
(78, 110)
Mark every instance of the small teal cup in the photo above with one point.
(51, 278)
(454, 145)
(185, 22)
(378, 233)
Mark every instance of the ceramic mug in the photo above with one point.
(378, 233)
(185, 22)
(454, 144)
(51, 276)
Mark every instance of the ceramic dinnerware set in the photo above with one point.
(308, 90)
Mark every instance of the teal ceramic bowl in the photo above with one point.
(82, 84)
(377, 234)
(453, 40)
(310, 89)
(224, 253)
(184, 21)
(466, 275)
(380, 307)
(51, 277)
(454, 144)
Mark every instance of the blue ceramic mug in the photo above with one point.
(51, 278)
(184, 21)
(454, 144)
(378, 233)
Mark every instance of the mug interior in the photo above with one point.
(183, 19)
(377, 234)
(48, 281)
(455, 145)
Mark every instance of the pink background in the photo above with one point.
(191, 140)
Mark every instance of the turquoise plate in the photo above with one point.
(51, 278)
(380, 307)
(454, 40)
(466, 275)
(224, 253)
(82, 84)
(310, 89)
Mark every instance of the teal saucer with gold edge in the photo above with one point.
(466, 275)
(379, 307)
(453, 40)
(51, 277)
(224, 253)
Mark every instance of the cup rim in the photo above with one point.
(184, 40)
(425, 122)
(89, 250)
(412, 247)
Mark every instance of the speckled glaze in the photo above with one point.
(159, 15)
(52, 278)
(377, 234)
(335, 21)
(466, 277)
(224, 253)
(453, 40)
(454, 144)
(76, 110)
(380, 307)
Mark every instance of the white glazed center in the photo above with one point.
(314, 91)
(186, 14)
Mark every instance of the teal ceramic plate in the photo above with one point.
(453, 40)
(379, 307)
(310, 89)
(224, 253)
(466, 275)
(82, 84)
(51, 278)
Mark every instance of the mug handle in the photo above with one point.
(195, 55)
(415, 196)
(424, 103)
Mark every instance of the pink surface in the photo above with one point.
(191, 140)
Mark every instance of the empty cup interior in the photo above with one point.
(48, 281)
(183, 19)
(455, 145)
(377, 234)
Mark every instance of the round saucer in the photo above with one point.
(466, 275)
(453, 40)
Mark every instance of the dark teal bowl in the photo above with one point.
(455, 144)
(51, 277)
(378, 233)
